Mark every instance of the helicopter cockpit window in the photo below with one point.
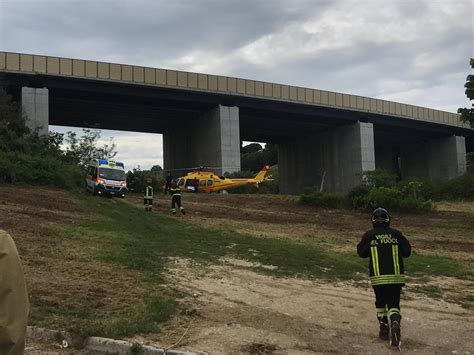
(209, 182)
(180, 182)
(202, 183)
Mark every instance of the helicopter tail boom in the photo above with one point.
(261, 175)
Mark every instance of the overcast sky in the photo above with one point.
(411, 51)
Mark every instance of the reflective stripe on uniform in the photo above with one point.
(387, 280)
(148, 192)
(375, 260)
(392, 311)
(175, 192)
(381, 312)
(396, 263)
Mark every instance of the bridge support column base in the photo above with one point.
(338, 157)
(211, 140)
(439, 159)
(35, 104)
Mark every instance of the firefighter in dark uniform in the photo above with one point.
(386, 247)
(168, 181)
(148, 197)
(175, 193)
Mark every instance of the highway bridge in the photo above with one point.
(203, 119)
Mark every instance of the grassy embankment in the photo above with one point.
(122, 235)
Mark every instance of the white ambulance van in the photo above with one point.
(106, 177)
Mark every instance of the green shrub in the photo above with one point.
(357, 197)
(267, 187)
(384, 197)
(39, 170)
(379, 178)
(323, 199)
(461, 188)
(406, 196)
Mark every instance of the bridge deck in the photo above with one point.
(92, 70)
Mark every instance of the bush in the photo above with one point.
(380, 189)
(384, 197)
(393, 199)
(357, 197)
(324, 199)
(136, 180)
(39, 170)
(461, 188)
(267, 187)
(379, 178)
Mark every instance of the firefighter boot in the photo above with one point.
(182, 210)
(395, 331)
(384, 329)
(173, 211)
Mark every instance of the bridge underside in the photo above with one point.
(203, 128)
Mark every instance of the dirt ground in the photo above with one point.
(240, 311)
(230, 308)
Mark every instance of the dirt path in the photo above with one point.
(239, 311)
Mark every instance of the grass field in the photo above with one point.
(100, 266)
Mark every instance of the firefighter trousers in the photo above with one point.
(387, 301)
(175, 201)
(148, 202)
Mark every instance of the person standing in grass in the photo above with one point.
(175, 193)
(386, 247)
(148, 196)
(168, 180)
(14, 305)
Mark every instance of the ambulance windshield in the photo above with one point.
(112, 174)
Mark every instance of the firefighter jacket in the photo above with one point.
(386, 247)
(148, 193)
(14, 305)
(175, 191)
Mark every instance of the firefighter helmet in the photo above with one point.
(380, 215)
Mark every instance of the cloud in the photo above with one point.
(415, 52)
(134, 149)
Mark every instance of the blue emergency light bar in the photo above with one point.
(111, 162)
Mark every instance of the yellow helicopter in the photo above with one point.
(204, 180)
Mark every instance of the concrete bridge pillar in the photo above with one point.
(340, 156)
(212, 140)
(35, 104)
(439, 159)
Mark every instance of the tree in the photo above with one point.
(250, 148)
(13, 127)
(254, 158)
(81, 150)
(15, 136)
(467, 114)
(156, 168)
(136, 179)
